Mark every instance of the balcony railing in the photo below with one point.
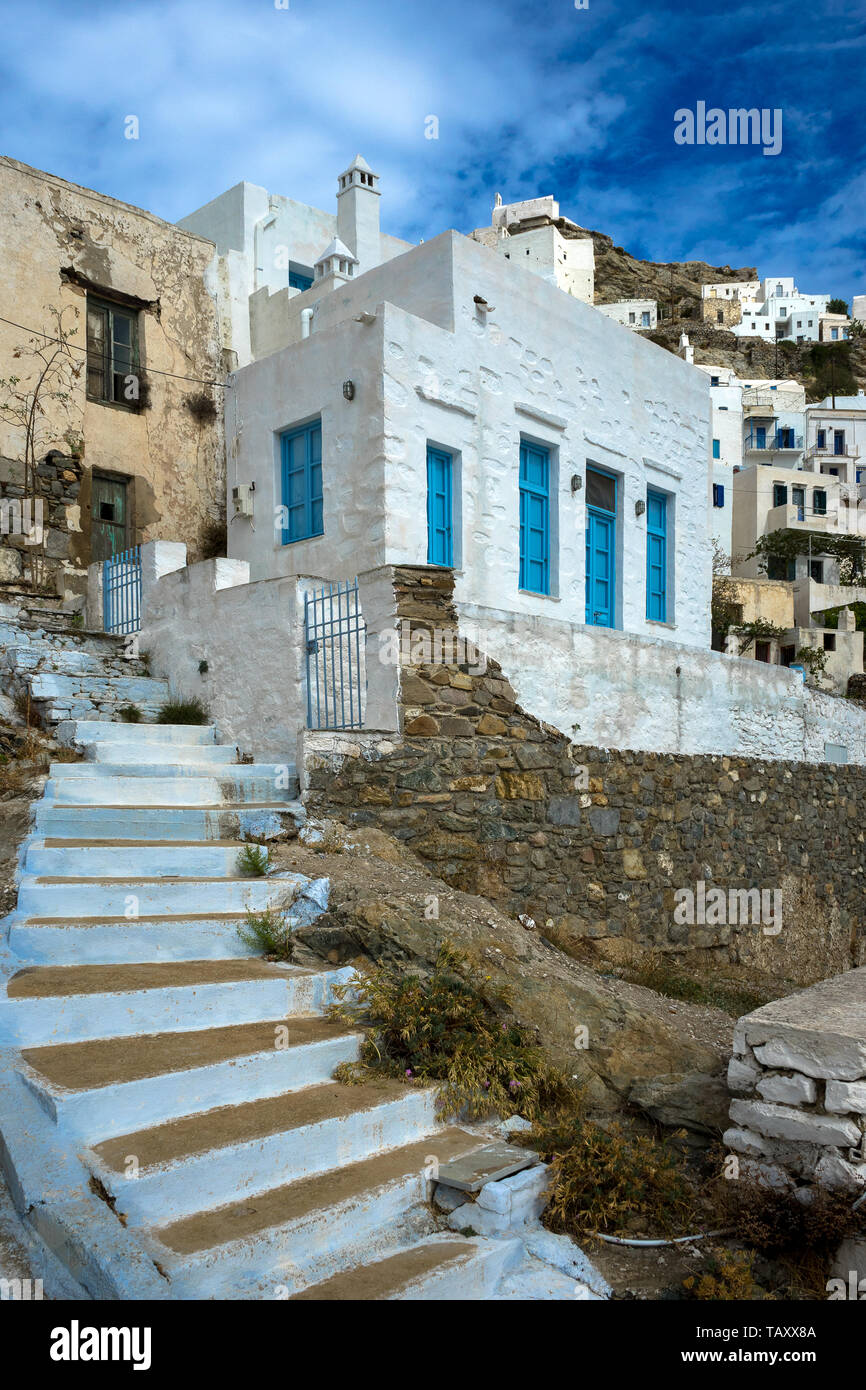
(772, 443)
(850, 451)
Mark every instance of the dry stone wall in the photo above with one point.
(604, 844)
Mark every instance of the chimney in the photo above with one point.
(358, 213)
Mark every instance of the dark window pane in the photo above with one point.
(600, 490)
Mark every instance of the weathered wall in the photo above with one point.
(49, 230)
(504, 805)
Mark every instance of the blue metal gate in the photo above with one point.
(121, 591)
(335, 643)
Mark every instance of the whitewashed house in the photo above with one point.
(780, 311)
(634, 313)
(725, 448)
(534, 235)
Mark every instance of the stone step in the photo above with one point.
(306, 1231)
(99, 898)
(70, 661)
(133, 859)
(86, 731)
(97, 1090)
(224, 769)
(46, 1005)
(132, 690)
(187, 823)
(233, 786)
(132, 750)
(125, 941)
(441, 1269)
(54, 712)
(209, 1160)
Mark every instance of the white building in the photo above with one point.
(452, 409)
(268, 246)
(836, 438)
(634, 313)
(725, 450)
(858, 308)
(779, 311)
(534, 235)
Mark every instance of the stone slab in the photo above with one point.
(473, 1171)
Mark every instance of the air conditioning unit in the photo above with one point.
(242, 499)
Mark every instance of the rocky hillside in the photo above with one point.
(676, 285)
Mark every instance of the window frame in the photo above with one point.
(528, 492)
(657, 595)
(107, 367)
(310, 430)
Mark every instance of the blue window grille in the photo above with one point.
(656, 556)
(534, 519)
(718, 494)
(717, 449)
(121, 592)
(335, 634)
(440, 529)
(301, 466)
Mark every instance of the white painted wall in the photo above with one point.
(631, 312)
(539, 364)
(614, 690)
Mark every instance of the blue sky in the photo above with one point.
(530, 97)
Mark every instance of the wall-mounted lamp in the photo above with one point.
(576, 482)
(639, 507)
(349, 390)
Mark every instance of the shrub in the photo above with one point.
(184, 711)
(130, 714)
(775, 1222)
(602, 1177)
(253, 861)
(728, 1278)
(450, 1026)
(269, 932)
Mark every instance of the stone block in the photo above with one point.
(742, 1075)
(845, 1097)
(788, 1090)
(564, 810)
(784, 1122)
(835, 1172)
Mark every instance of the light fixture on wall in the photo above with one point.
(639, 507)
(576, 482)
(349, 390)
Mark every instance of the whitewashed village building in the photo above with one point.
(634, 313)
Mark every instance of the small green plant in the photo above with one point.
(729, 1277)
(130, 714)
(178, 710)
(450, 1026)
(253, 861)
(814, 659)
(269, 932)
(76, 620)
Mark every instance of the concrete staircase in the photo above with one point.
(168, 1117)
(67, 673)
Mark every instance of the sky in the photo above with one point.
(529, 99)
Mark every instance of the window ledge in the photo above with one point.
(533, 593)
(657, 622)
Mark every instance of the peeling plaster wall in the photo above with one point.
(177, 465)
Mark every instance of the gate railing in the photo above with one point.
(334, 632)
(121, 592)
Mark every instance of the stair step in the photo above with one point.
(185, 823)
(233, 772)
(207, 1160)
(226, 788)
(129, 751)
(121, 940)
(48, 659)
(131, 689)
(64, 1004)
(132, 859)
(100, 1089)
(438, 1269)
(307, 1230)
(101, 897)
(105, 731)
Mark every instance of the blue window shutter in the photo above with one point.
(717, 449)
(656, 556)
(440, 532)
(534, 519)
(718, 494)
(301, 482)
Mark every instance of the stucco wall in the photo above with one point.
(48, 226)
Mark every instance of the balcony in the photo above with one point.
(773, 443)
(793, 517)
(825, 452)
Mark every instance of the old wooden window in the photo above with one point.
(112, 353)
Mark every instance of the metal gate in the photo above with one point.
(121, 591)
(336, 674)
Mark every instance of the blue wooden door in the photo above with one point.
(656, 556)
(440, 532)
(534, 519)
(600, 531)
(760, 436)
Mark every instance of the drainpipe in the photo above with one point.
(306, 322)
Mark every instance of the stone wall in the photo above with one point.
(23, 532)
(798, 1076)
(598, 841)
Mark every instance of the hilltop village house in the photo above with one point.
(129, 444)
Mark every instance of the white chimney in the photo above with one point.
(358, 213)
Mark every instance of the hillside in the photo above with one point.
(676, 285)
